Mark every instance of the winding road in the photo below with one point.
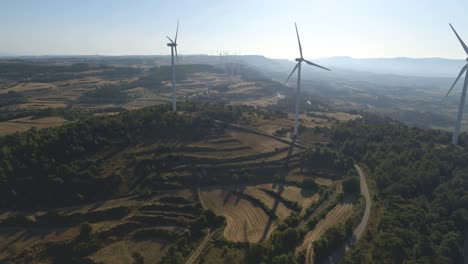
(360, 229)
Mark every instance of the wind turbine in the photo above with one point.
(456, 132)
(298, 90)
(173, 45)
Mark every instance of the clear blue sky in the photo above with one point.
(358, 28)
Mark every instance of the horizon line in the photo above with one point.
(213, 55)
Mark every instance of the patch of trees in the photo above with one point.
(108, 94)
(325, 158)
(156, 75)
(329, 241)
(351, 185)
(323, 213)
(11, 98)
(422, 181)
(120, 72)
(422, 119)
(324, 194)
(25, 71)
(282, 132)
(279, 248)
(156, 233)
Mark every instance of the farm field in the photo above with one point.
(70, 93)
(246, 221)
(304, 198)
(124, 218)
(25, 123)
(338, 215)
(248, 209)
(122, 252)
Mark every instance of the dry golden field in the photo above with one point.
(25, 123)
(246, 222)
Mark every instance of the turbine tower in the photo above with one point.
(456, 132)
(173, 45)
(298, 90)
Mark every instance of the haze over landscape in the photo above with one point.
(283, 132)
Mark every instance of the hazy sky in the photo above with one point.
(358, 28)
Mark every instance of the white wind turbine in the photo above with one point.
(298, 90)
(173, 45)
(456, 132)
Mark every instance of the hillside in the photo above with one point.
(152, 181)
(117, 177)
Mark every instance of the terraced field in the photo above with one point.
(292, 193)
(270, 202)
(338, 215)
(122, 252)
(25, 123)
(246, 222)
(142, 225)
(250, 210)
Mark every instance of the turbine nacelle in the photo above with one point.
(172, 44)
(299, 59)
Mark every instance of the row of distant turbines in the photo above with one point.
(232, 64)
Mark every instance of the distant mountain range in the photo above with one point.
(423, 67)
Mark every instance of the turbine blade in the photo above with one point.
(316, 65)
(456, 80)
(461, 41)
(298, 40)
(295, 68)
(176, 55)
(177, 31)
(169, 39)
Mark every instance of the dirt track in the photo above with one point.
(200, 248)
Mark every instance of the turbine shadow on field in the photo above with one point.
(227, 196)
(283, 173)
(239, 189)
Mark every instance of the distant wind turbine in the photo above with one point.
(456, 132)
(298, 90)
(173, 45)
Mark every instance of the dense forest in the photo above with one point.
(422, 190)
(11, 98)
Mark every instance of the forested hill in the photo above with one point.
(422, 192)
(67, 165)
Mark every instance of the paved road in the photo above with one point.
(360, 229)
